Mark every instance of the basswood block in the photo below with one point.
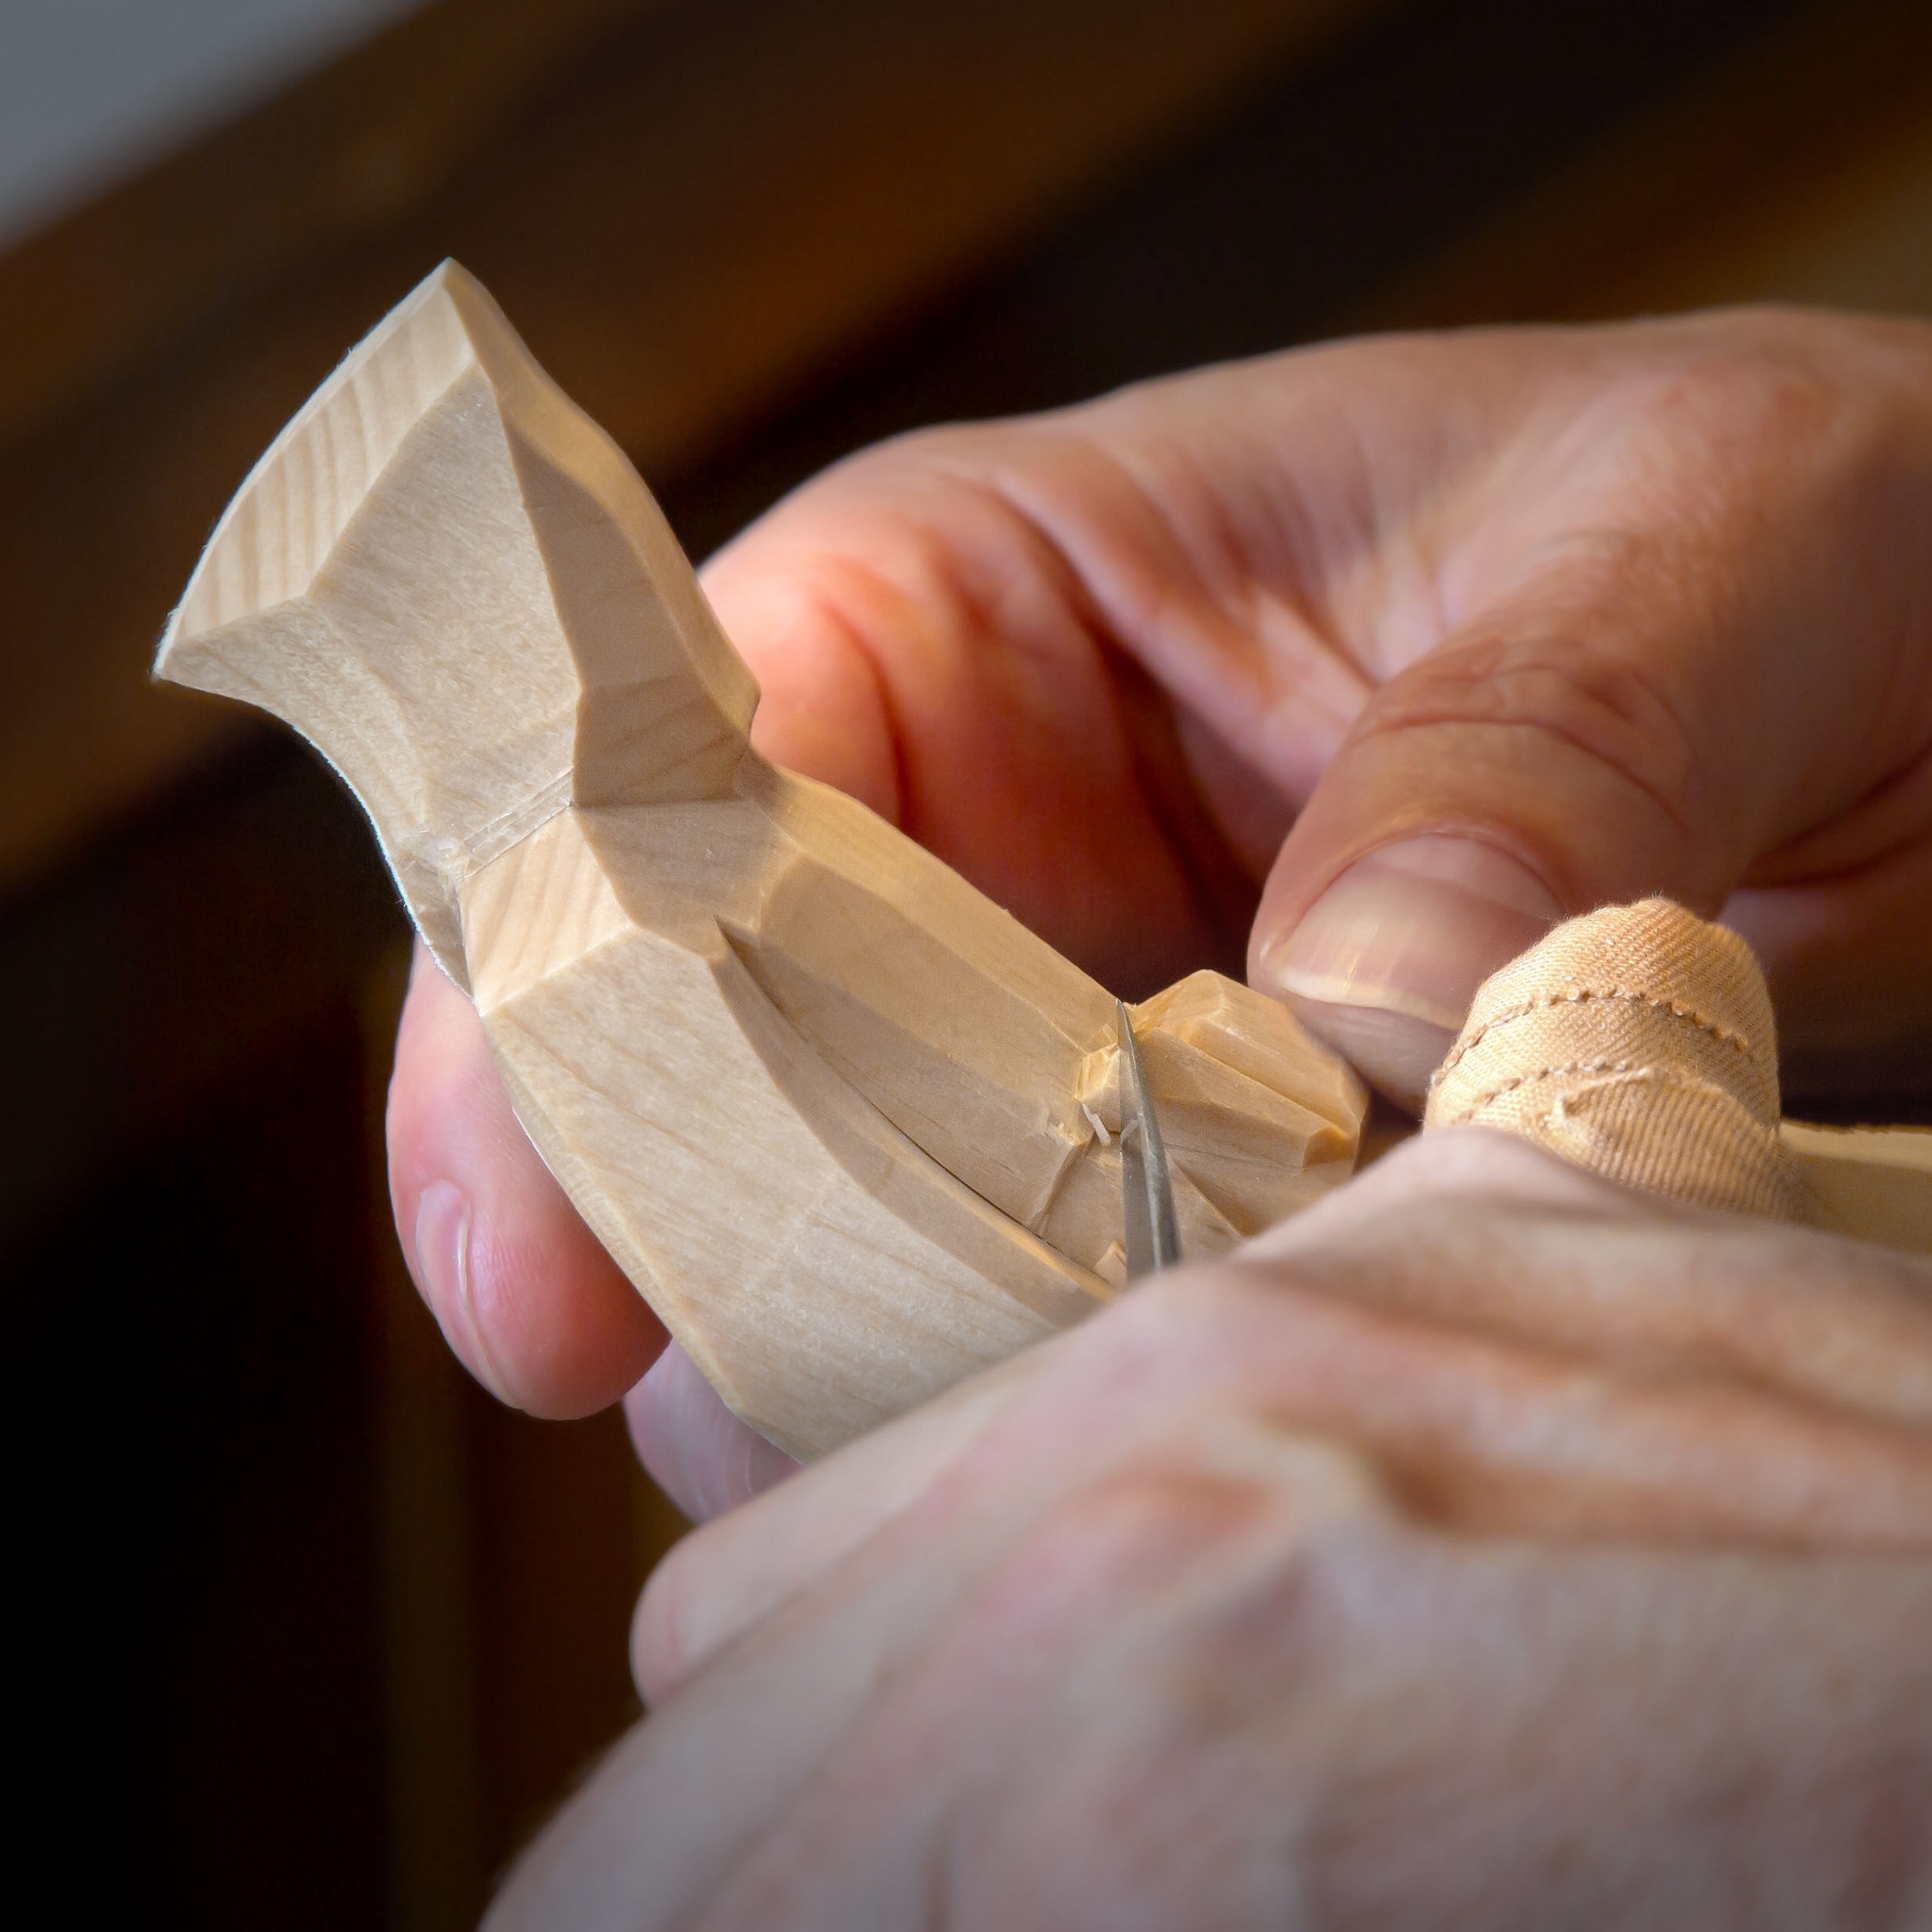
(1874, 1182)
(847, 1125)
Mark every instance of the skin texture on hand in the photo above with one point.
(1369, 659)
(1488, 1547)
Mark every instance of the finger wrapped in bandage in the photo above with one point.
(1637, 1042)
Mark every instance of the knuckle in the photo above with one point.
(1156, 1510)
(1221, 1484)
(1121, 1538)
(1602, 705)
(1152, 1348)
(1177, 1307)
(1197, 1576)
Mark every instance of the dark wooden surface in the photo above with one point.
(319, 1631)
(688, 206)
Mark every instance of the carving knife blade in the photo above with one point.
(1153, 1239)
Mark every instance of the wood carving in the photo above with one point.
(1872, 1182)
(847, 1125)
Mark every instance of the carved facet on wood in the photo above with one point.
(847, 1125)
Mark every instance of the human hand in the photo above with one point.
(1588, 613)
(1487, 1547)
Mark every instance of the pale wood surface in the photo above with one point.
(846, 1123)
(1873, 1182)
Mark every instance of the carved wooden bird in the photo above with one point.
(847, 1125)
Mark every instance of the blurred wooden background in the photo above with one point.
(319, 1632)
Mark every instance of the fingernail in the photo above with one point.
(699, 1454)
(1385, 963)
(445, 1274)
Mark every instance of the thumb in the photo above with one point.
(1492, 788)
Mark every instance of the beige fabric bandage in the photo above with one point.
(1637, 1042)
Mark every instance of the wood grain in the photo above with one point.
(846, 1123)
(1873, 1182)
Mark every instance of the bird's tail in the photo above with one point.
(448, 577)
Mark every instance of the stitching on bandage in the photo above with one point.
(1544, 1073)
(1576, 996)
